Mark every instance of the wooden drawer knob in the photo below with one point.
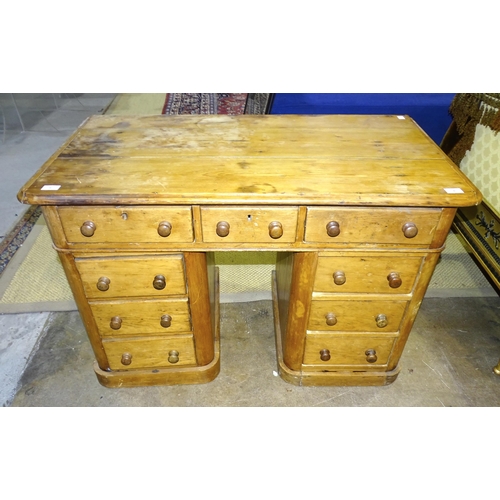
(88, 228)
(173, 357)
(394, 280)
(126, 358)
(103, 284)
(324, 355)
(331, 319)
(166, 321)
(381, 320)
(275, 230)
(333, 229)
(164, 229)
(339, 277)
(115, 323)
(371, 355)
(159, 282)
(222, 229)
(410, 230)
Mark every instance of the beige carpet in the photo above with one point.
(136, 104)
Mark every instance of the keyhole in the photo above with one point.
(249, 218)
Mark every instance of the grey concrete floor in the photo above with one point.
(32, 127)
(447, 362)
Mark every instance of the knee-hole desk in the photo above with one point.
(357, 208)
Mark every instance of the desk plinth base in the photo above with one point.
(330, 378)
(165, 376)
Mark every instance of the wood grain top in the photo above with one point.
(250, 159)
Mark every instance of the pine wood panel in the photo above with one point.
(366, 273)
(201, 298)
(127, 224)
(271, 159)
(248, 224)
(356, 315)
(150, 352)
(142, 317)
(346, 350)
(371, 227)
(298, 292)
(132, 276)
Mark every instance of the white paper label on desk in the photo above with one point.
(50, 187)
(453, 190)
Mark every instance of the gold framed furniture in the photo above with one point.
(357, 208)
(473, 143)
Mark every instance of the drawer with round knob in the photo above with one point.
(138, 276)
(249, 224)
(381, 316)
(325, 350)
(367, 273)
(127, 224)
(150, 352)
(145, 317)
(414, 227)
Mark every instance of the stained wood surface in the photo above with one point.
(346, 350)
(132, 276)
(150, 352)
(365, 273)
(266, 159)
(356, 315)
(142, 317)
(358, 225)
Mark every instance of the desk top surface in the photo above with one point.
(358, 160)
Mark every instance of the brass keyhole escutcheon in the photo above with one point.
(394, 280)
(410, 230)
(126, 358)
(333, 229)
(166, 321)
(115, 323)
(103, 284)
(164, 229)
(371, 355)
(331, 319)
(339, 277)
(275, 230)
(381, 320)
(173, 357)
(88, 228)
(159, 282)
(324, 355)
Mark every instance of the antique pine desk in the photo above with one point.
(357, 209)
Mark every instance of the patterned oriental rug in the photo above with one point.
(205, 104)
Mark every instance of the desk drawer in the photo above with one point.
(358, 350)
(392, 226)
(150, 352)
(148, 317)
(127, 224)
(356, 315)
(249, 224)
(367, 273)
(148, 276)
